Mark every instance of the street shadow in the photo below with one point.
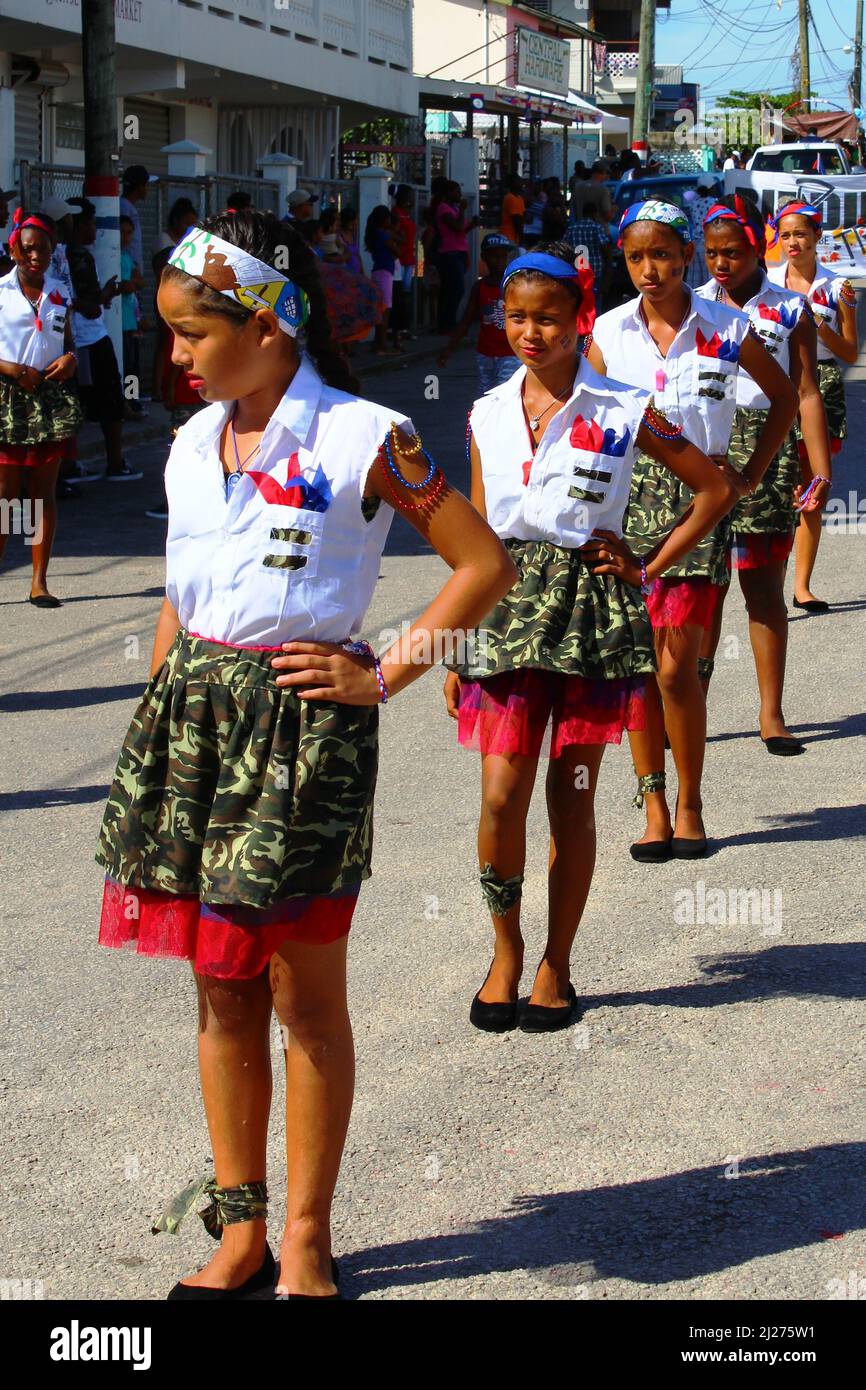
(796, 615)
(846, 726)
(157, 591)
(833, 970)
(677, 1227)
(22, 701)
(821, 823)
(42, 798)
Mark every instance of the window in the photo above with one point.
(69, 126)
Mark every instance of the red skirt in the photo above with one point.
(32, 455)
(678, 602)
(230, 943)
(509, 713)
(753, 550)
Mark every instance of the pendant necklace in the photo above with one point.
(535, 420)
(233, 478)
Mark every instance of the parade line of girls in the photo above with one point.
(238, 828)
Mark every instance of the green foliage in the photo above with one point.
(751, 101)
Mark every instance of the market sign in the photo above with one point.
(542, 62)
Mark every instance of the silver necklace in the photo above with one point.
(535, 420)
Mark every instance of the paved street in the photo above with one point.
(699, 1136)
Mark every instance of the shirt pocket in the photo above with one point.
(715, 379)
(589, 478)
(56, 323)
(289, 542)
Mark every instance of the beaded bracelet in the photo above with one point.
(659, 426)
(646, 585)
(432, 467)
(364, 649)
(847, 295)
(402, 505)
(468, 437)
(809, 490)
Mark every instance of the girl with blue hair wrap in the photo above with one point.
(687, 352)
(570, 645)
(797, 229)
(762, 526)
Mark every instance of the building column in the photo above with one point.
(281, 169)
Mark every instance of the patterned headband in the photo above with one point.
(653, 210)
(19, 222)
(558, 269)
(739, 213)
(241, 277)
(796, 209)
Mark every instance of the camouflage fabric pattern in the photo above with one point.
(227, 1206)
(500, 894)
(44, 416)
(233, 789)
(656, 502)
(561, 617)
(832, 388)
(772, 507)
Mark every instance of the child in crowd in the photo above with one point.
(496, 362)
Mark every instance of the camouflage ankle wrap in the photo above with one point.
(228, 1205)
(500, 894)
(706, 666)
(650, 782)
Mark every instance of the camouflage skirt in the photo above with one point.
(44, 416)
(656, 502)
(562, 618)
(231, 790)
(832, 388)
(771, 509)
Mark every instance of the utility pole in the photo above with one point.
(805, 85)
(100, 147)
(645, 76)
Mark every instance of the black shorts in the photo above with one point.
(102, 399)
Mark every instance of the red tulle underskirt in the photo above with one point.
(835, 448)
(230, 943)
(32, 455)
(509, 713)
(753, 552)
(678, 602)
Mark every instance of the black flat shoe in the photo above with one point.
(45, 601)
(311, 1297)
(812, 605)
(688, 849)
(536, 1018)
(262, 1279)
(783, 747)
(653, 852)
(492, 1018)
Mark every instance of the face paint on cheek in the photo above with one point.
(564, 340)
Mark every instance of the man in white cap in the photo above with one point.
(300, 202)
(61, 214)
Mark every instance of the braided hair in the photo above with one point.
(263, 236)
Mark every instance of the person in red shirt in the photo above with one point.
(404, 271)
(513, 211)
(496, 361)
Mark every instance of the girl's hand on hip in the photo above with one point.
(611, 555)
(30, 379)
(61, 369)
(737, 480)
(325, 671)
(451, 691)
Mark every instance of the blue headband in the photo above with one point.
(539, 260)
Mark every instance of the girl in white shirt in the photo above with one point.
(688, 352)
(797, 227)
(551, 453)
(238, 827)
(39, 410)
(762, 525)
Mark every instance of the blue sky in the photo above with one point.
(731, 43)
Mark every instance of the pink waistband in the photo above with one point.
(235, 646)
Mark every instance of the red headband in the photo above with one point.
(738, 213)
(19, 222)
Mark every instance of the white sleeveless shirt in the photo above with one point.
(21, 339)
(823, 297)
(578, 480)
(288, 557)
(774, 313)
(695, 385)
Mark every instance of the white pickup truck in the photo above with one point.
(801, 158)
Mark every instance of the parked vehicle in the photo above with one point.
(808, 157)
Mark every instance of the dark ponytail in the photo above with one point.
(262, 236)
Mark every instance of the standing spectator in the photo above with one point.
(330, 248)
(534, 213)
(61, 213)
(238, 201)
(580, 175)
(591, 238)
(382, 241)
(5, 257)
(596, 191)
(300, 203)
(430, 247)
(513, 211)
(697, 208)
(39, 412)
(131, 281)
(496, 362)
(453, 227)
(404, 273)
(136, 181)
(347, 237)
(555, 216)
(99, 385)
